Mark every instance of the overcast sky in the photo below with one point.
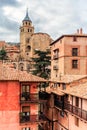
(55, 17)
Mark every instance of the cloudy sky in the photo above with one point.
(55, 17)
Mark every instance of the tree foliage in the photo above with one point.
(42, 63)
(3, 54)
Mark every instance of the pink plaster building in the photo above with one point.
(67, 103)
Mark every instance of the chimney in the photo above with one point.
(77, 31)
(80, 30)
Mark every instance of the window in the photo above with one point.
(14, 65)
(76, 121)
(26, 23)
(25, 88)
(74, 38)
(21, 68)
(26, 128)
(26, 110)
(74, 51)
(56, 54)
(28, 48)
(28, 30)
(75, 64)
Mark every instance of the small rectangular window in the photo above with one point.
(75, 64)
(74, 51)
(25, 88)
(56, 54)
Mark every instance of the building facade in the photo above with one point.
(21, 101)
(67, 103)
(69, 55)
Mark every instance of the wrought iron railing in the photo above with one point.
(32, 118)
(75, 110)
(31, 97)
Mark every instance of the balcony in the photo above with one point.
(40, 97)
(32, 118)
(59, 104)
(75, 110)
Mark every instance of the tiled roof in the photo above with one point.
(7, 73)
(68, 78)
(57, 91)
(79, 91)
(69, 35)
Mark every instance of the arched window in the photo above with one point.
(26, 23)
(28, 48)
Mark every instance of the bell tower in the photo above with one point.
(26, 30)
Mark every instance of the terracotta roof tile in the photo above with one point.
(7, 73)
(68, 78)
(79, 91)
(57, 91)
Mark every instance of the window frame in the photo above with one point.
(75, 65)
(74, 51)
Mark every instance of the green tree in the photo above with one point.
(42, 62)
(3, 54)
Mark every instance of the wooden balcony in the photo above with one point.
(75, 110)
(27, 97)
(32, 118)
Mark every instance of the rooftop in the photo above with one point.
(68, 78)
(79, 33)
(78, 91)
(7, 73)
(27, 17)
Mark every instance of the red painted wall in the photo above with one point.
(9, 105)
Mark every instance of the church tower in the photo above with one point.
(26, 31)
